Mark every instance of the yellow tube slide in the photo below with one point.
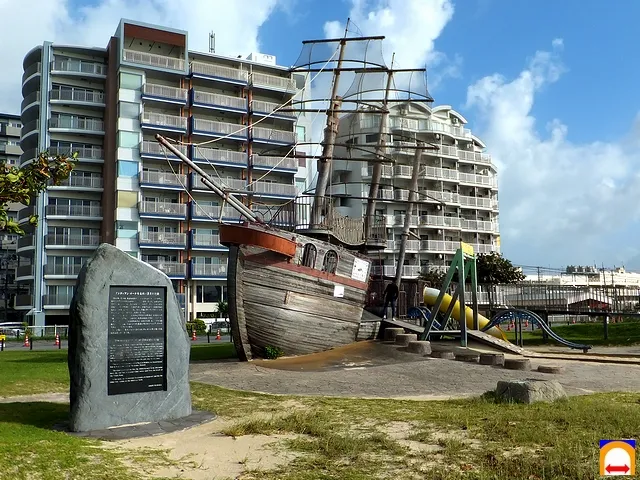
(430, 297)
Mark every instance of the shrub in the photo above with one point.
(272, 352)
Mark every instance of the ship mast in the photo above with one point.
(377, 167)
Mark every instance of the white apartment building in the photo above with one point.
(458, 185)
(107, 104)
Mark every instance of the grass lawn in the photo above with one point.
(348, 439)
(626, 333)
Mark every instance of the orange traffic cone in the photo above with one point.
(218, 335)
(26, 341)
(193, 336)
(57, 340)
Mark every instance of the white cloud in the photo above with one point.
(236, 26)
(560, 202)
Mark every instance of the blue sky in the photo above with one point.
(548, 85)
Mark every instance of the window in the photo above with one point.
(372, 138)
(300, 132)
(208, 293)
(128, 110)
(309, 255)
(127, 169)
(128, 139)
(330, 263)
(130, 81)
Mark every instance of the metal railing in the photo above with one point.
(77, 123)
(151, 147)
(411, 245)
(219, 155)
(479, 225)
(271, 81)
(74, 210)
(274, 188)
(439, 245)
(72, 240)
(93, 181)
(170, 268)
(219, 71)
(223, 128)
(480, 202)
(475, 157)
(400, 194)
(78, 95)
(474, 179)
(206, 240)
(277, 162)
(153, 60)
(387, 171)
(440, 173)
(439, 221)
(273, 135)
(88, 153)
(162, 120)
(163, 178)
(79, 66)
(212, 212)
(402, 171)
(447, 197)
(165, 91)
(269, 107)
(163, 208)
(209, 269)
(208, 98)
(57, 299)
(62, 269)
(398, 220)
(163, 238)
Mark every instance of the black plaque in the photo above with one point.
(137, 340)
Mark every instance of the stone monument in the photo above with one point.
(128, 346)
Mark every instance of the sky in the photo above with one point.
(544, 84)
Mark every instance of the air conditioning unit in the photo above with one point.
(402, 111)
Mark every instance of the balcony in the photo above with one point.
(28, 241)
(216, 156)
(25, 213)
(162, 240)
(206, 241)
(271, 82)
(163, 180)
(235, 184)
(220, 73)
(383, 194)
(411, 245)
(152, 149)
(477, 202)
(274, 189)
(167, 123)
(271, 136)
(62, 270)
(208, 270)
(439, 221)
(169, 210)
(24, 302)
(474, 157)
(60, 300)
(274, 163)
(398, 220)
(72, 240)
(434, 195)
(79, 67)
(171, 269)
(31, 100)
(402, 171)
(260, 108)
(29, 128)
(153, 60)
(85, 154)
(67, 123)
(77, 96)
(480, 180)
(400, 194)
(408, 271)
(480, 226)
(439, 127)
(435, 173)
(11, 149)
(32, 71)
(93, 182)
(233, 131)
(88, 212)
(213, 213)
(217, 101)
(164, 93)
(483, 248)
(24, 272)
(439, 246)
(387, 171)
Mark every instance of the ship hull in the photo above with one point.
(275, 301)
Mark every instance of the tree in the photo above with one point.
(492, 268)
(433, 278)
(20, 185)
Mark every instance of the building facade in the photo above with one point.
(107, 104)
(10, 151)
(457, 184)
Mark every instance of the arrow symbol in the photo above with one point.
(617, 468)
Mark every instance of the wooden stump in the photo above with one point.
(390, 334)
(403, 339)
(492, 359)
(517, 364)
(421, 347)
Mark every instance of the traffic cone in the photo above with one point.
(193, 336)
(26, 341)
(57, 340)
(218, 335)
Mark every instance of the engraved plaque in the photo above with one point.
(137, 340)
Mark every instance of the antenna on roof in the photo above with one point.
(212, 42)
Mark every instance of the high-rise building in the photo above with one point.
(10, 152)
(107, 104)
(457, 185)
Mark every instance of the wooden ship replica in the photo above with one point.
(299, 281)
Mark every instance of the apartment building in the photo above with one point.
(107, 104)
(10, 152)
(457, 184)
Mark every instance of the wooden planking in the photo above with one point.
(235, 299)
(287, 300)
(294, 332)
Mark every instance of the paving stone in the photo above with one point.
(421, 347)
(517, 364)
(403, 339)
